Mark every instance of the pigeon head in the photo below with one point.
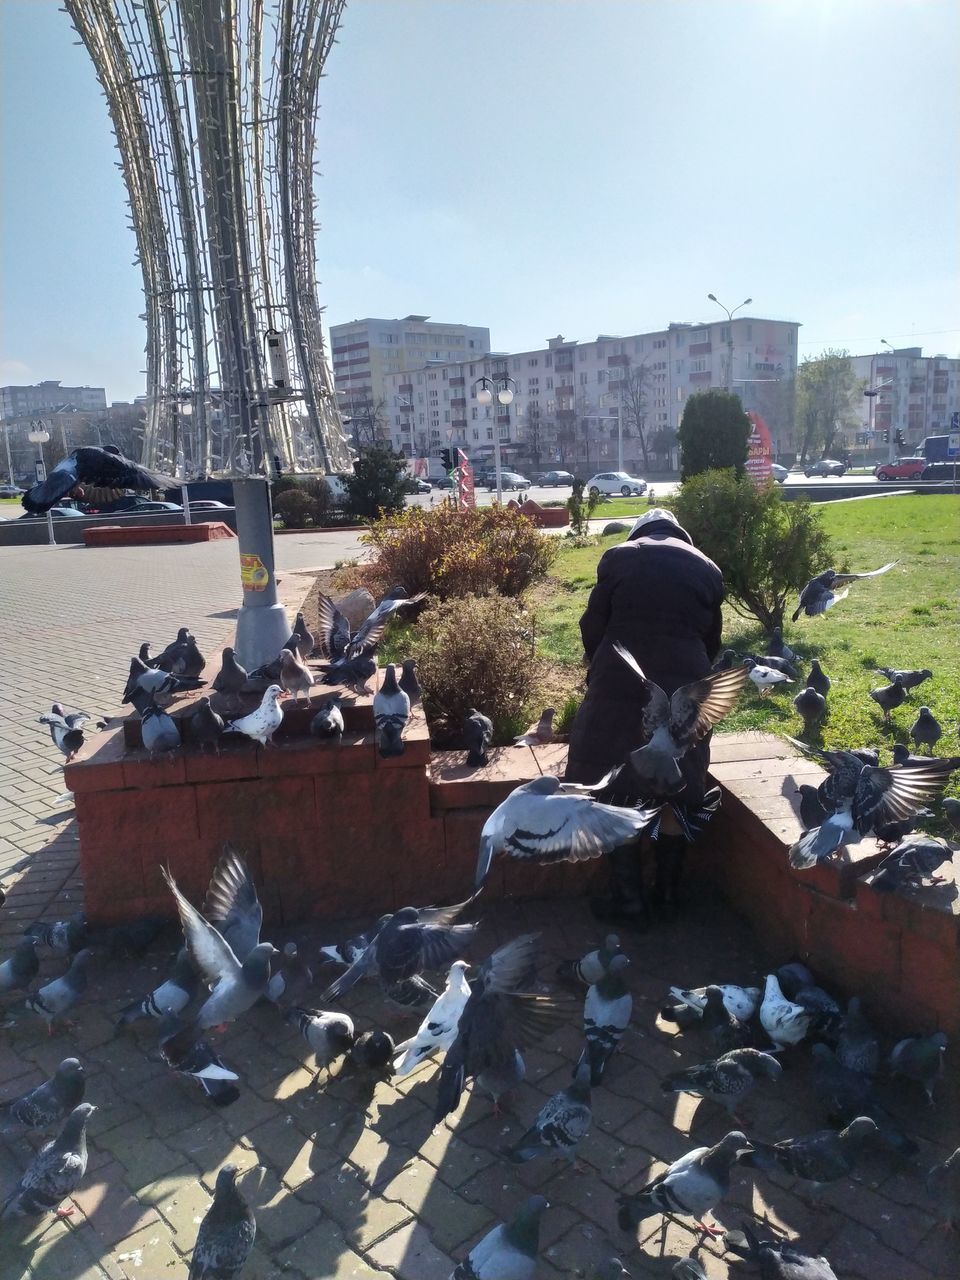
(734, 1144)
(901, 754)
(69, 1070)
(619, 964)
(859, 1130)
(406, 915)
(226, 1178)
(550, 712)
(611, 942)
(763, 1064)
(924, 711)
(939, 1040)
(273, 694)
(76, 1122)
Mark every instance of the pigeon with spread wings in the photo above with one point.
(821, 594)
(104, 468)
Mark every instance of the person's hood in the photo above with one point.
(658, 523)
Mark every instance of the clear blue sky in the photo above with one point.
(543, 166)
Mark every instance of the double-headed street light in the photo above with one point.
(730, 314)
(39, 435)
(501, 386)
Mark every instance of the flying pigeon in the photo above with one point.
(784, 1022)
(777, 1259)
(185, 1052)
(328, 722)
(778, 648)
(821, 1157)
(329, 1035)
(909, 679)
(231, 677)
(391, 711)
(562, 1124)
(672, 725)
(858, 1046)
(262, 724)
(346, 953)
(925, 730)
(65, 729)
(509, 1251)
(914, 860)
(232, 905)
(943, 1186)
(409, 683)
(48, 1104)
(811, 707)
(591, 967)
(295, 677)
(606, 1015)
(549, 821)
(301, 639)
(158, 731)
(727, 1079)
(171, 996)
(540, 734)
(818, 678)
(100, 468)
(477, 736)
(888, 697)
(438, 1029)
(819, 594)
(235, 987)
(156, 682)
(58, 997)
(372, 1050)
(55, 1172)
(206, 727)
(354, 673)
(691, 1185)
(742, 1002)
(226, 1233)
(344, 648)
(765, 678)
(920, 1058)
(20, 968)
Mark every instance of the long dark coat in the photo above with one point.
(660, 597)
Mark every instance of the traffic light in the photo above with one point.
(898, 439)
(446, 457)
(885, 436)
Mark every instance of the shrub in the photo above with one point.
(296, 508)
(378, 483)
(477, 651)
(714, 432)
(457, 553)
(767, 548)
(580, 511)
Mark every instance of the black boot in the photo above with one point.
(670, 851)
(625, 904)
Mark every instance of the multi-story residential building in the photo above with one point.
(916, 394)
(572, 400)
(18, 402)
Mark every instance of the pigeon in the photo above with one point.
(105, 468)
(891, 833)
(346, 953)
(155, 682)
(920, 1058)
(729, 658)
(909, 679)
(206, 727)
(842, 1092)
(691, 1185)
(477, 736)
(345, 649)
(821, 1157)
(48, 1104)
(158, 731)
(55, 1172)
(498, 1017)
(186, 1052)
(888, 697)
(231, 677)
(592, 967)
(409, 683)
(329, 1035)
(943, 1186)
(722, 1029)
(130, 939)
(232, 905)
(914, 860)
(292, 979)
(235, 987)
(540, 734)
(328, 722)
(611, 1269)
(811, 707)
(354, 673)
(901, 755)
(742, 1002)
(778, 648)
(267, 674)
(301, 639)
(182, 657)
(818, 678)
(438, 1029)
(606, 1015)
(819, 595)
(373, 1050)
(784, 1022)
(410, 995)
(65, 729)
(793, 977)
(812, 812)
(21, 967)
(172, 651)
(727, 1079)
(412, 939)
(391, 711)
(171, 996)
(295, 677)
(951, 811)
(262, 724)
(509, 1251)
(817, 1000)
(765, 678)
(562, 1124)
(858, 1046)
(925, 730)
(65, 937)
(226, 1233)
(549, 821)
(776, 664)
(777, 1259)
(58, 997)
(672, 725)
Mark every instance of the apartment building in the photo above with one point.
(18, 402)
(916, 394)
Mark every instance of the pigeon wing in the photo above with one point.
(843, 578)
(509, 967)
(232, 904)
(210, 953)
(333, 632)
(569, 828)
(441, 945)
(696, 707)
(885, 794)
(656, 704)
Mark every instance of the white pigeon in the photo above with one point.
(766, 677)
(262, 724)
(438, 1030)
(549, 821)
(784, 1022)
(742, 1002)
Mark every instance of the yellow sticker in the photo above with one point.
(253, 573)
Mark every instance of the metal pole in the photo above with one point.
(262, 625)
(186, 503)
(620, 431)
(6, 441)
(496, 456)
(51, 537)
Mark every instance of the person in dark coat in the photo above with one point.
(660, 598)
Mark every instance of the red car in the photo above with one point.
(901, 469)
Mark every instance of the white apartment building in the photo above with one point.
(917, 395)
(17, 402)
(567, 400)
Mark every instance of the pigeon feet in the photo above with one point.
(65, 1213)
(710, 1231)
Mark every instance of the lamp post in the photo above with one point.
(6, 441)
(504, 393)
(39, 435)
(730, 314)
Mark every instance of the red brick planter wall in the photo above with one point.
(115, 535)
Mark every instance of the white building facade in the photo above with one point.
(916, 394)
(18, 402)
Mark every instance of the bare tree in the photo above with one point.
(633, 404)
(367, 420)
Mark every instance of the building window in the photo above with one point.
(532, 362)
(583, 379)
(473, 413)
(582, 353)
(548, 360)
(549, 384)
(489, 433)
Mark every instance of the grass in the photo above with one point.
(909, 618)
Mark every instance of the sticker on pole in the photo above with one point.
(253, 573)
(760, 451)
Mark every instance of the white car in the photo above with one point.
(779, 473)
(610, 482)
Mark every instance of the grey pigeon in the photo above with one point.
(821, 1157)
(920, 1058)
(260, 725)
(727, 1080)
(171, 996)
(158, 731)
(606, 1015)
(775, 664)
(301, 639)
(742, 1002)
(562, 1124)
(812, 812)
(226, 1233)
(231, 677)
(65, 729)
(842, 1092)
(784, 1022)
(329, 1035)
(778, 648)
(48, 1104)
(793, 977)
(328, 722)
(477, 736)
(915, 859)
(818, 678)
(951, 811)
(267, 674)
(409, 995)
(820, 592)
(672, 725)
(391, 711)
(509, 1251)
(925, 730)
(777, 1259)
(21, 967)
(372, 1050)
(691, 1186)
(549, 821)
(891, 833)
(90, 465)
(909, 679)
(688, 1269)
(181, 659)
(232, 905)
(811, 707)
(943, 1186)
(206, 727)
(170, 652)
(65, 937)
(540, 734)
(409, 683)
(291, 979)
(858, 1046)
(55, 1172)
(591, 967)
(353, 673)
(188, 1054)
(295, 677)
(155, 682)
(58, 997)
(438, 1030)
(721, 1029)
(351, 654)
(235, 987)
(346, 953)
(728, 659)
(888, 697)
(902, 756)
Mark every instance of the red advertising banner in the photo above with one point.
(760, 451)
(465, 491)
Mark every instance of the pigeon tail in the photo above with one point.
(484, 859)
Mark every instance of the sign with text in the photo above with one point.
(760, 451)
(465, 489)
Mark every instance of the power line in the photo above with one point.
(922, 333)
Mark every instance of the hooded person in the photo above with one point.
(659, 597)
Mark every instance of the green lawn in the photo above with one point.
(908, 618)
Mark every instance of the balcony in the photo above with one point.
(698, 379)
(613, 361)
(405, 389)
(456, 382)
(458, 404)
(459, 424)
(701, 348)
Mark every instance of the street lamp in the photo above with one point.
(504, 393)
(39, 435)
(730, 314)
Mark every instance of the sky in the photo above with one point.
(541, 167)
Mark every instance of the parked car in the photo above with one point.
(336, 483)
(900, 469)
(133, 505)
(509, 480)
(416, 485)
(779, 473)
(610, 482)
(209, 504)
(557, 479)
(58, 513)
(10, 491)
(825, 467)
(937, 472)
